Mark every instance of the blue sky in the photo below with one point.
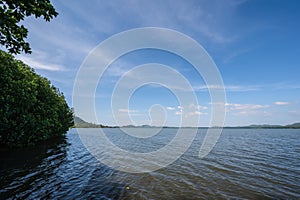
(254, 43)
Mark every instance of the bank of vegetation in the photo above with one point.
(32, 110)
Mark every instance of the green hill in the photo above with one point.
(295, 125)
(80, 123)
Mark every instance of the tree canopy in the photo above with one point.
(31, 109)
(12, 34)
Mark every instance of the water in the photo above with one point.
(245, 164)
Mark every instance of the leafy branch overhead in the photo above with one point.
(12, 12)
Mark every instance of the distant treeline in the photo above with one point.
(80, 123)
(296, 126)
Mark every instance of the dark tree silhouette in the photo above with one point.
(12, 12)
(31, 109)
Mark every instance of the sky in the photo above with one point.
(254, 43)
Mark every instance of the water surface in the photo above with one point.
(245, 163)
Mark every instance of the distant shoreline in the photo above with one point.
(80, 123)
(235, 127)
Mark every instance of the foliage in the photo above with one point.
(31, 109)
(12, 34)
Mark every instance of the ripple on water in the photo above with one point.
(245, 164)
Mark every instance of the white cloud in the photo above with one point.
(197, 107)
(245, 107)
(196, 113)
(190, 110)
(228, 88)
(253, 112)
(118, 68)
(203, 107)
(246, 88)
(280, 103)
(170, 108)
(38, 64)
(178, 113)
(127, 110)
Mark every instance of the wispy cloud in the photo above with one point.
(197, 107)
(190, 110)
(209, 19)
(118, 68)
(285, 86)
(242, 110)
(41, 64)
(245, 107)
(280, 103)
(228, 88)
(232, 55)
(196, 113)
(174, 84)
(248, 88)
(178, 113)
(170, 108)
(253, 112)
(101, 18)
(123, 110)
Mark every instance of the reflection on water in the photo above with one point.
(25, 171)
(245, 163)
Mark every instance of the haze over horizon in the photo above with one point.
(255, 45)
